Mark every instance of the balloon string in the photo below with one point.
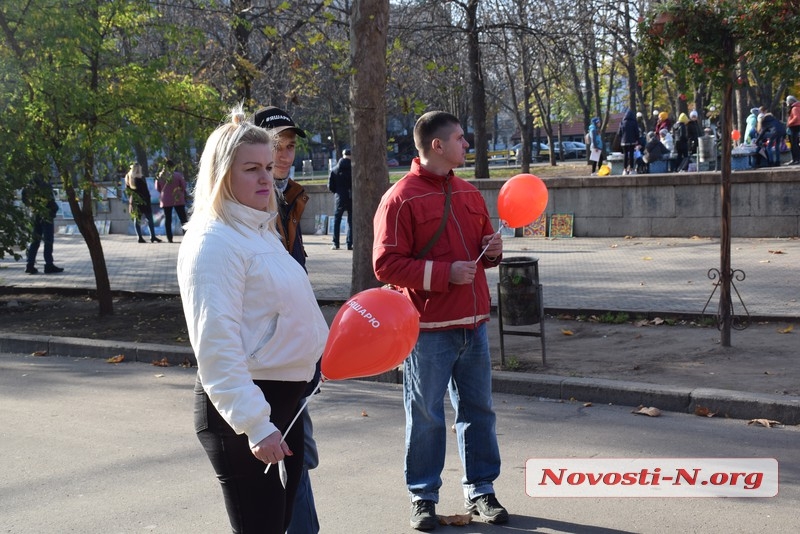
(503, 224)
(303, 407)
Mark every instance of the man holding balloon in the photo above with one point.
(434, 239)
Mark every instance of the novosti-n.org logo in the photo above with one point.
(651, 477)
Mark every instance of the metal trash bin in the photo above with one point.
(520, 301)
(519, 290)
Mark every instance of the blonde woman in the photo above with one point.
(139, 202)
(245, 298)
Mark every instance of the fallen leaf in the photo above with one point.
(116, 359)
(364, 413)
(764, 422)
(614, 245)
(648, 411)
(787, 330)
(702, 411)
(458, 520)
(646, 258)
(161, 375)
(567, 332)
(657, 321)
(776, 252)
(587, 404)
(641, 322)
(163, 362)
(39, 353)
(764, 261)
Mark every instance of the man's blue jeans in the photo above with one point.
(304, 516)
(456, 360)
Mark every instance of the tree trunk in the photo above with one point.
(368, 29)
(478, 90)
(85, 220)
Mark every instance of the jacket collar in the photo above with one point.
(422, 172)
(249, 217)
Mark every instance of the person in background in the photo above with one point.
(793, 124)
(441, 269)
(654, 150)
(628, 139)
(666, 139)
(292, 199)
(663, 122)
(340, 183)
(172, 186)
(752, 126)
(595, 145)
(39, 197)
(695, 131)
(246, 301)
(680, 136)
(139, 202)
(770, 134)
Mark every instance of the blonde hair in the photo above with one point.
(134, 172)
(213, 188)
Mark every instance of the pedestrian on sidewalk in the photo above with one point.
(628, 137)
(292, 199)
(172, 186)
(139, 202)
(39, 197)
(246, 301)
(595, 142)
(793, 124)
(430, 230)
(340, 183)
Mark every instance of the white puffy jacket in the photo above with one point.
(251, 315)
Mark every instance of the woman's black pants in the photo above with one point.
(256, 502)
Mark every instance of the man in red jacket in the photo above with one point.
(430, 230)
(794, 128)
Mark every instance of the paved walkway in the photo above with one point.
(664, 275)
(634, 275)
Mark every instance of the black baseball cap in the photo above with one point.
(277, 120)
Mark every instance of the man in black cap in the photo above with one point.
(292, 199)
(340, 183)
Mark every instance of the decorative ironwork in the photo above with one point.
(738, 322)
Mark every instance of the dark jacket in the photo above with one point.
(654, 150)
(291, 209)
(340, 181)
(628, 129)
(139, 200)
(772, 130)
(695, 132)
(38, 196)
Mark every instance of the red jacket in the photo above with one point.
(794, 115)
(408, 216)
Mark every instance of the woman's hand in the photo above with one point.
(271, 449)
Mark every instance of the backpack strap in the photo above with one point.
(427, 248)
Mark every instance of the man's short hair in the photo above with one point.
(432, 125)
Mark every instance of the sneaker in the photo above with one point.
(487, 507)
(334, 247)
(423, 515)
(31, 270)
(51, 269)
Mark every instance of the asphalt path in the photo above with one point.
(90, 447)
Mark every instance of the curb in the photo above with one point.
(723, 402)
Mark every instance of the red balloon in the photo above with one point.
(372, 333)
(736, 135)
(521, 200)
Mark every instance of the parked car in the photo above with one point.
(539, 151)
(572, 149)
